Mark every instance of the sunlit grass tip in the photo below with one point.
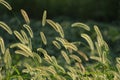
(28, 28)
(56, 44)
(6, 4)
(25, 16)
(5, 27)
(89, 40)
(44, 18)
(66, 57)
(82, 25)
(44, 40)
(2, 45)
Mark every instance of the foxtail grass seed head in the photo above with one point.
(56, 44)
(99, 50)
(97, 30)
(44, 18)
(37, 56)
(71, 46)
(27, 51)
(25, 36)
(44, 40)
(21, 52)
(81, 67)
(52, 70)
(19, 36)
(60, 30)
(52, 24)
(75, 57)
(28, 28)
(82, 25)
(118, 60)
(2, 46)
(62, 40)
(95, 58)
(6, 4)
(7, 58)
(42, 51)
(89, 40)
(25, 16)
(5, 27)
(66, 57)
(83, 55)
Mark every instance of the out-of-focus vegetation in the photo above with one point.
(101, 10)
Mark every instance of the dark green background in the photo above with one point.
(100, 10)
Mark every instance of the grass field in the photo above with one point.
(58, 49)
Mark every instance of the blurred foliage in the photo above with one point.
(102, 10)
(110, 31)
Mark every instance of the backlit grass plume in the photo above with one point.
(44, 18)
(6, 4)
(44, 40)
(5, 27)
(82, 25)
(25, 16)
(2, 46)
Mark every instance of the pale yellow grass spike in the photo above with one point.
(19, 36)
(75, 57)
(30, 44)
(28, 28)
(20, 78)
(62, 40)
(21, 52)
(81, 67)
(100, 41)
(60, 30)
(56, 44)
(54, 59)
(98, 31)
(6, 4)
(53, 24)
(25, 16)
(29, 68)
(7, 58)
(42, 50)
(82, 25)
(52, 70)
(37, 56)
(118, 60)
(83, 55)
(24, 48)
(25, 36)
(5, 27)
(106, 46)
(44, 40)
(95, 58)
(48, 58)
(99, 35)
(2, 45)
(89, 40)
(99, 50)
(66, 57)
(71, 69)
(60, 68)
(44, 18)
(71, 46)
